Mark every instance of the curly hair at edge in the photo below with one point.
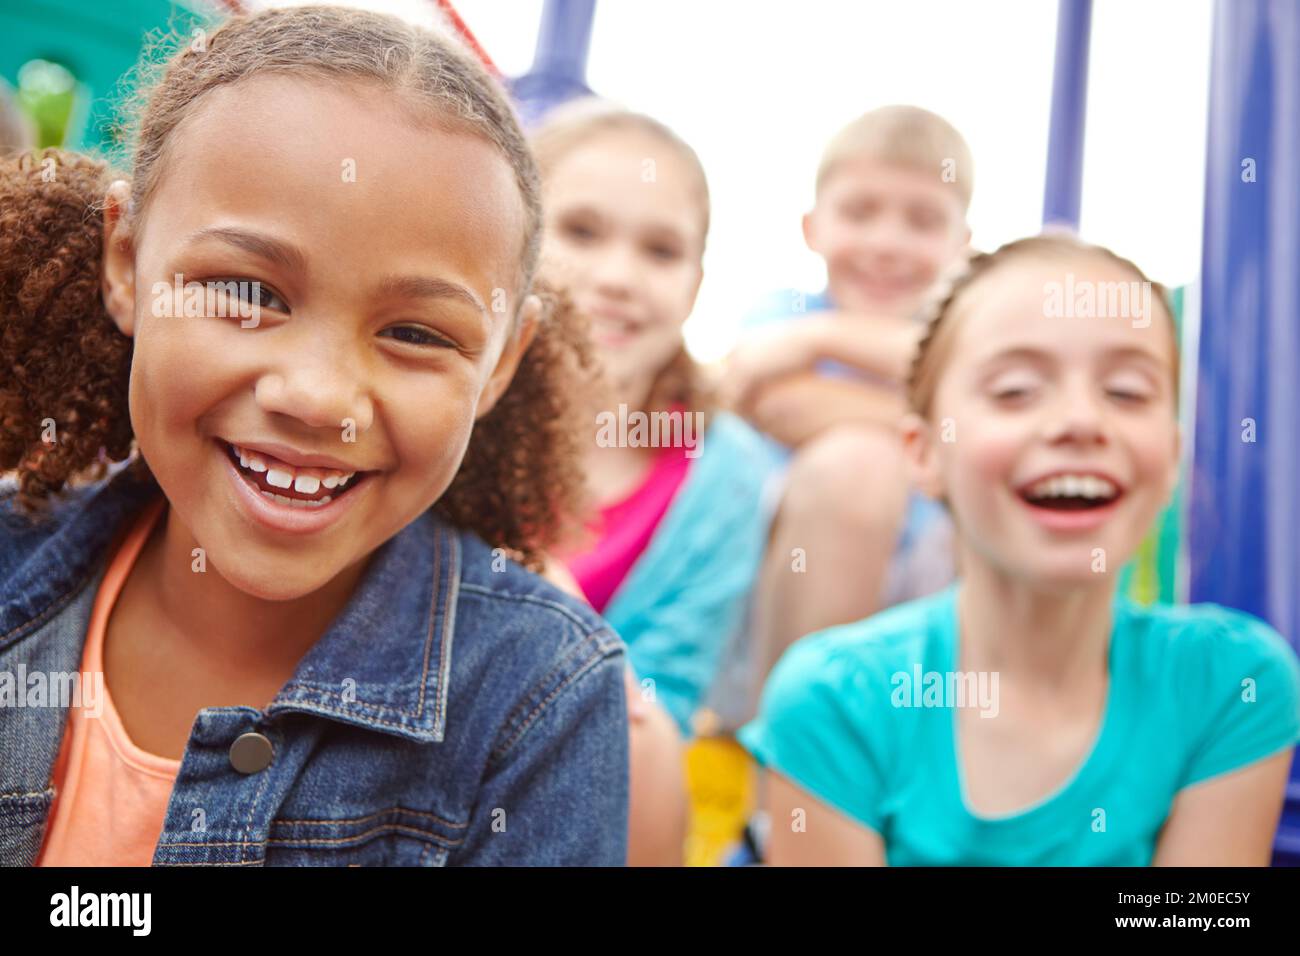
(66, 361)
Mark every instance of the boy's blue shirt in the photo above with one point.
(459, 711)
(684, 600)
(789, 305)
(920, 564)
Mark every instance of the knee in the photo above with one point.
(851, 476)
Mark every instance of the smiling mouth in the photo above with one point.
(285, 485)
(1071, 492)
(612, 328)
(882, 284)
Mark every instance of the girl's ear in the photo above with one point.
(810, 230)
(921, 455)
(530, 314)
(695, 291)
(117, 275)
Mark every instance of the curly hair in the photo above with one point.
(64, 414)
(64, 395)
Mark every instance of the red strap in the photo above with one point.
(467, 36)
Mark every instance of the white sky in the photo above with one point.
(758, 87)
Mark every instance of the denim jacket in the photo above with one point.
(458, 711)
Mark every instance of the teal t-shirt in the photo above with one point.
(1195, 691)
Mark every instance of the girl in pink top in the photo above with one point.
(672, 544)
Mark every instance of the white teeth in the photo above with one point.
(307, 481)
(1074, 486)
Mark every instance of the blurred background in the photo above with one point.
(758, 88)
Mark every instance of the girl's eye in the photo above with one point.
(579, 232)
(1012, 389)
(664, 253)
(419, 335)
(251, 292)
(1129, 389)
(1012, 394)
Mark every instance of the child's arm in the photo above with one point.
(806, 832)
(881, 347)
(1227, 820)
(556, 790)
(658, 808)
(800, 407)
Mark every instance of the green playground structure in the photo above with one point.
(97, 46)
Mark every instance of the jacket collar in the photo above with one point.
(385, 661)
(383, 664)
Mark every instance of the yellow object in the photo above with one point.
(721, 780)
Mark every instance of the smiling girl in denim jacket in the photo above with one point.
(292, 625)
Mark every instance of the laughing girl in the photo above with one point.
(1119, 734)
(299, 590)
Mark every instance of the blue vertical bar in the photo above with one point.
(1244, 534)
(559, 70)
(1064, 188)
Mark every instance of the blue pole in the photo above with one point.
(1064, 187)
(1244, 529)
(559, 70)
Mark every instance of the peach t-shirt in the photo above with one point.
(111, 795)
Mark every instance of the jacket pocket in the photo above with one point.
(394, 837)
(22, 825)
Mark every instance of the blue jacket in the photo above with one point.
(685, 599)
(459, 710)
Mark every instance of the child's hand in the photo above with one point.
(769, 355)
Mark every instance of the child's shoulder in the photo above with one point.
(516, 603)
(1200, 637)
(738, 446)
(66, 530)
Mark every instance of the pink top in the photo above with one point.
(111, 796)
(624, 528)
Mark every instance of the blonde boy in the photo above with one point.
(824, 377)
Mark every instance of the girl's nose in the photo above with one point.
(616, 270)
(1077, 416)
(319, 389)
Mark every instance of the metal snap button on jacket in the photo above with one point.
(250, 753)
